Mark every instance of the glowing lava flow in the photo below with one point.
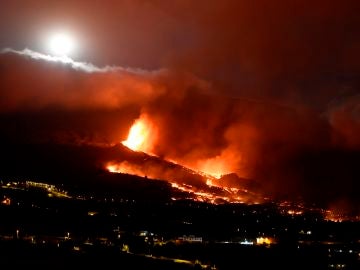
(125, 167)
(142, 137)
(218, 196)
(211, 192)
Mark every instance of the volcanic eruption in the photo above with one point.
(142, 135)
(201, 185)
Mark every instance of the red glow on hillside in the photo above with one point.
(143, 135)
(209, 187)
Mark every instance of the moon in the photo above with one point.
(61, 44)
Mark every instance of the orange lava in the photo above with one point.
(125, 167)
(142, 135)
(211, 193)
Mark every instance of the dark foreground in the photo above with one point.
(45, 226)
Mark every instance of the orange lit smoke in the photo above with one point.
(198, 178)
(142, 135)
(219, 165)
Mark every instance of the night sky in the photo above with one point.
(272, 88)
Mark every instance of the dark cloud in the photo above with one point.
(344, 117)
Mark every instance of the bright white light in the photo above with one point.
(61, 44)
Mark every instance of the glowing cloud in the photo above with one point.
(83, 66)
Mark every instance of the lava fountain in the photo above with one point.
(201, 179)
(142, 135)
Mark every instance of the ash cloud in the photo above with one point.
(344, 116)
(32, 80)
(60, 99)
(290, 150)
